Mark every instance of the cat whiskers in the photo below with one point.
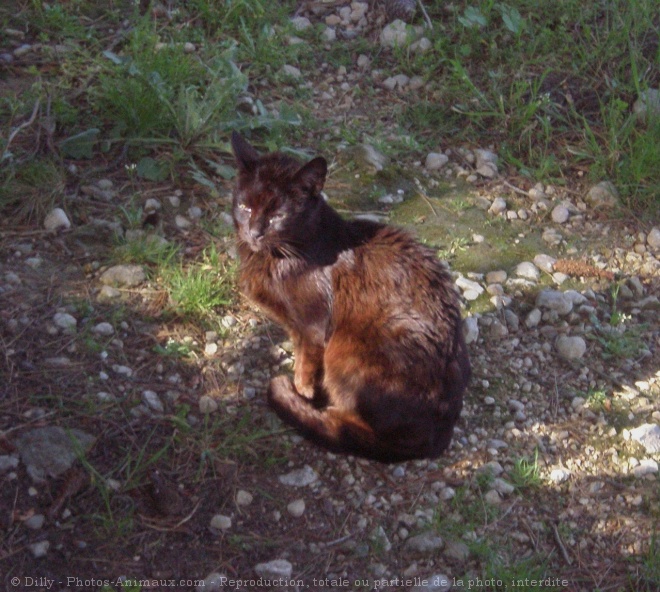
(288, 251)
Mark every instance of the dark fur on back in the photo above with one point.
(380, 360)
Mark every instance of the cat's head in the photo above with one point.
(276, 198)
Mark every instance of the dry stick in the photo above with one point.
(560, 544)
(516, 189)
(500, 518)
(23, 125)
(426, 14)
(340, 540)
(422, 194)
(532, 536)
(149, 523)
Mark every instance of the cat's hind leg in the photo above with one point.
(319, 425)
(330, 427)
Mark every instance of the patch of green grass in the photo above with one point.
(57, 21)
(625, 344)
(166, 94)
(544, 87)
(428, 119)
(468, 510)
(458, 244)
(30, 190)
(146, 248)
(236, 436)
(526, 575)
(174, 349)
(525, 473)
(596, 397)
(648, 578)
(202, 287)
(218, 18)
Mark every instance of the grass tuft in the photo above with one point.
(199, 289)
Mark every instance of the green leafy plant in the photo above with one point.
(526, 472)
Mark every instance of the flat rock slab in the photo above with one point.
(300, 477)
(51, 450)
(123, 275)
(648, 435)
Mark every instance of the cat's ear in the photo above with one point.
(312, 175)
(246, 155)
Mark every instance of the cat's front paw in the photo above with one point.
(281, 388)
(304, 388)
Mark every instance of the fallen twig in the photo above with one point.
(23, 125)
(340, 540)
(516, 189)
(426, 14)
(560, 544)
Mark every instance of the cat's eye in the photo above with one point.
(276, 219)
(244, 208)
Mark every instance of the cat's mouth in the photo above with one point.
(255, 244)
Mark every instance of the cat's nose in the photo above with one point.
(255, 238)
(256, 234)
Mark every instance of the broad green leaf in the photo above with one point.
(152, 170)
(80, 145)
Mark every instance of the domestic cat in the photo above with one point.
(380, 360)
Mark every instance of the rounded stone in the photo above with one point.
(498, 206)
(35, 522)
(571, 347)
(152, 400)
(123, 275)
(496, 277)
(493, 498)
(57, 219)
(278, 568)
(296, 508)
(653, 239)
(394, 34)
(39, 549)
(210, 349)
(435, 161)
(434, 583)
(300, 477)
(152, 205)
(603, 195)
(8, 462)
(527, 270)
(554, 300)
(104, 329)
(533, 318)
(212, 583)
(220, 522)
(182, 222)
(300, 23)
(545, 262)
(559, 475)
(207, 404)
(647, 103)
(244, 498)
(470, 329)
(427, 543)
(65, 321)
(560, 214)
(292, 71)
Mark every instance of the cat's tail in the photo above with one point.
(334, 429)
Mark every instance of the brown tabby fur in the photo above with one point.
(380, 360)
